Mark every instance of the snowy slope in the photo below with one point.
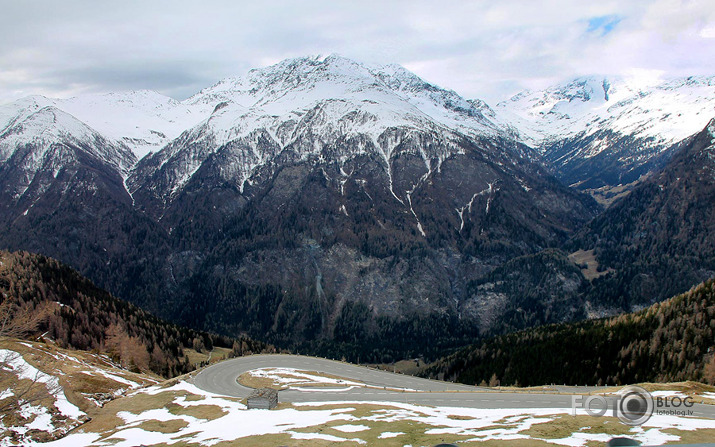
(312, 103)
(143, 120)
(601, 132)
(666, 111)
(387, 96)
(34, 125)
(338, 96)
(48, 391)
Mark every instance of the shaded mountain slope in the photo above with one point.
(660, 239)
(669, 341)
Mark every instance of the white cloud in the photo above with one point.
(486, 49)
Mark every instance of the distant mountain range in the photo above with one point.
(604, 132)
(337, 206)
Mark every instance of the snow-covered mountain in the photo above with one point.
(592, 131)
(38, 124)
(310, 105)
(38, 142)
(143, 121)
(39, 136)
(300, 197)
(385, 95)
(608, 131)
(665, 111)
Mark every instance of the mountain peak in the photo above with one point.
(624, 104)
(313, 103)
(292, 87)
(43, 123)
(332, 76)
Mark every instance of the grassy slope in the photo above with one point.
(86, 380)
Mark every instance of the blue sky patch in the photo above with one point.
(603, 23)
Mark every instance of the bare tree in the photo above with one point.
(20, 386)
(20, 320)
(709, 371)
(128, 350)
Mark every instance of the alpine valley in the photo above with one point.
(329, 206)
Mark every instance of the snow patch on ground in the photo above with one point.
(348, 428)
(116, 378)
(24, 370)
(291, 376)
(390, 434)
(235, 422)
(322, 390)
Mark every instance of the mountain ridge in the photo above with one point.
(592, 131)
(658, 238)
(320, 203)
(599, 132)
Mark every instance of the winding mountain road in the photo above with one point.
(384, 386)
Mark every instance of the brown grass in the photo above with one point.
(217, 355)
(606, 195)
(249, 380)
(407, 367)
(207, 412)
(172, 426)
(564, 426)
(588, 258)
(80, 383)
(692, 436)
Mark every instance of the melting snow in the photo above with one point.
(348, 428)
(390, 434)
(290, 376)
(237, 422)
(24, 370)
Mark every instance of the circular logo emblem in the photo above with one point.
(635, 405)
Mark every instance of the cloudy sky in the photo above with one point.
(481, 49)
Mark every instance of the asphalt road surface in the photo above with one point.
(221, 378)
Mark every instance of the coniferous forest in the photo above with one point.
(668, 341)
(71, 311)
